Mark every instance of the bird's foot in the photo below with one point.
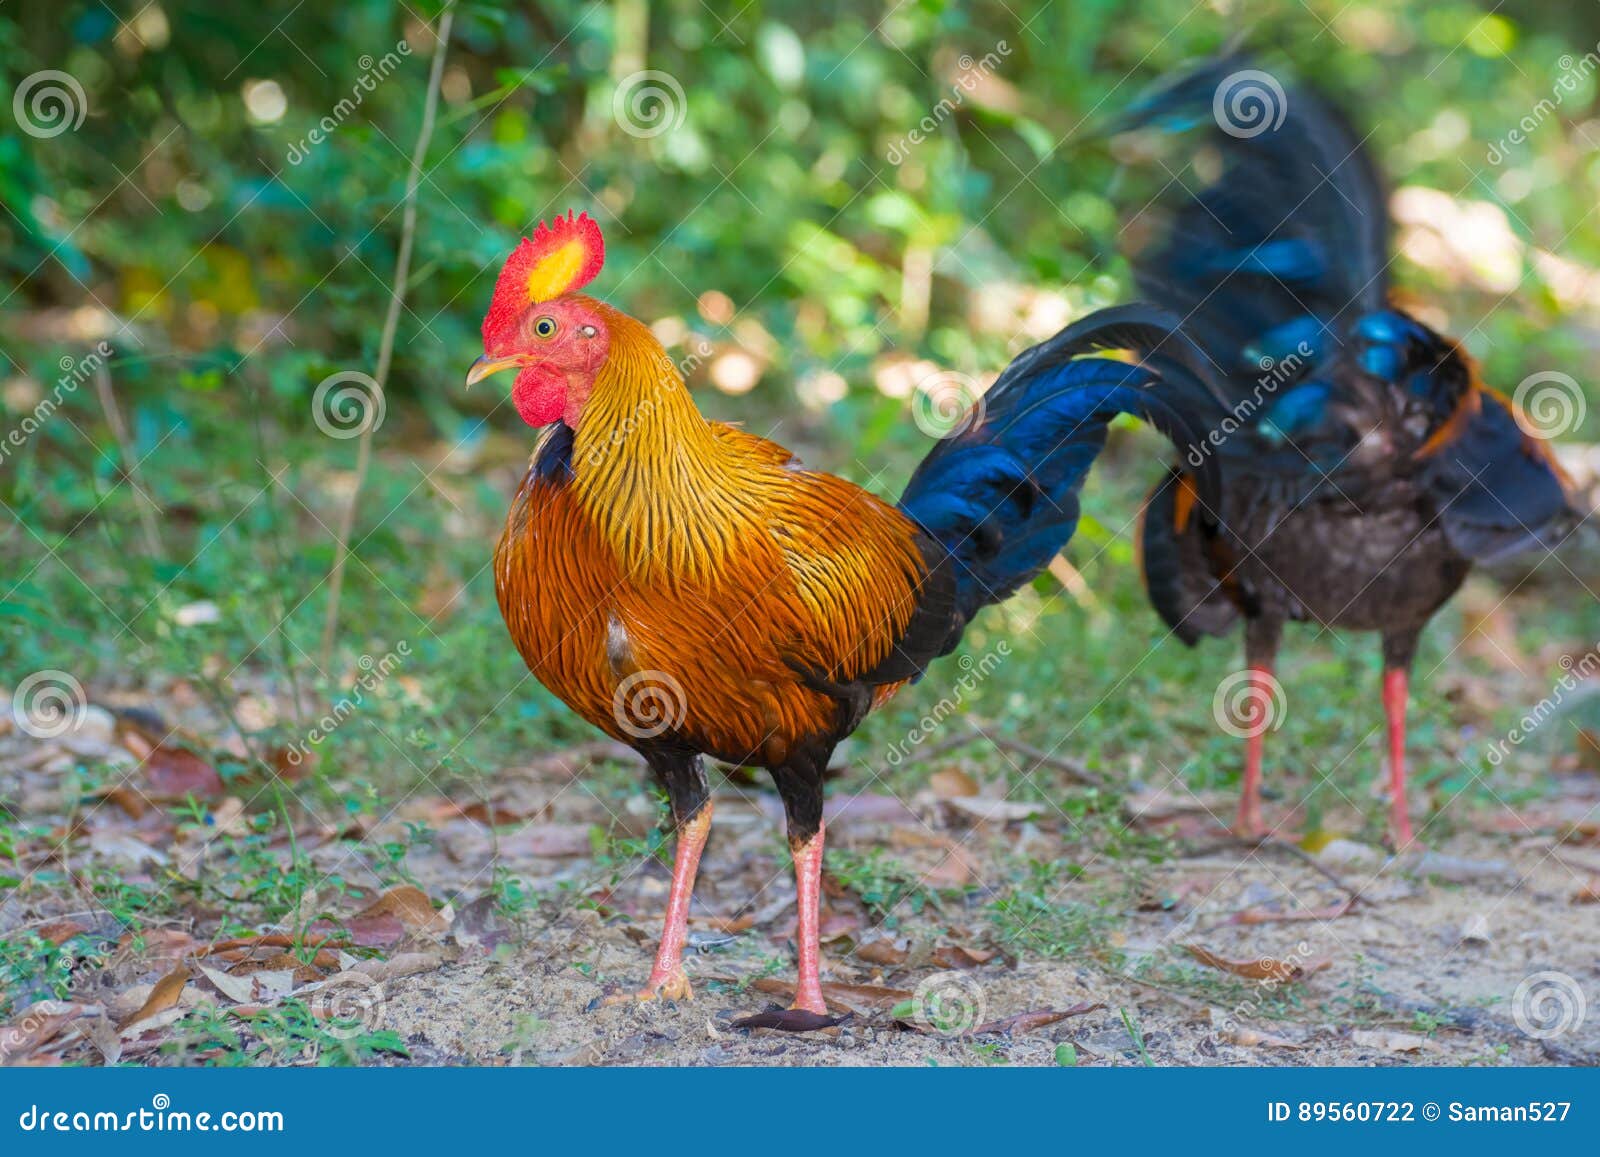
(671, 984)
(1248, 825)
(1402, 839)
(810, 1001)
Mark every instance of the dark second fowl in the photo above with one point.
(695, 591)
(1366, 467)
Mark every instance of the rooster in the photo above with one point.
(695, 592)
(1366, 466)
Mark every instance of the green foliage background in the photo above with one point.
(246, 273)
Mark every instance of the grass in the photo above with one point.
(1097, 683)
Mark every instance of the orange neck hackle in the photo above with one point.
(649, 469)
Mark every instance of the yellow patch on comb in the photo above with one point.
(552, 276)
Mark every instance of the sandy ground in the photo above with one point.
(1423, 968)
(1192, 948)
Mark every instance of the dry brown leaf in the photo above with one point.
(952, 783)
(38, 1025)
(1392, 1042)
(163, 996)
(411, 906)
(58, 932)
(128, 799)
(405, 964)
(236, 988)
(1250, 1038)
(955, 957)
(1026, 1022)
(1262, 968)
(884, 952)
(790, 1020)
(167, 771)
(1589, 893)
(857, 998)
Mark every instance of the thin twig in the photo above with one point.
(391, 323)
(1069, 767)
(130, 460)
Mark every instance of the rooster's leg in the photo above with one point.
(808, 887)
(1394, 709)
(688, 792)
(1399, 647)
(1261, 650)
(799, 782)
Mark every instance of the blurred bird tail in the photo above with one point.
(1001, 495)
(1291, 237)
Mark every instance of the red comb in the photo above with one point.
(561, 257)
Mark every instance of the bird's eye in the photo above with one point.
(545, 327)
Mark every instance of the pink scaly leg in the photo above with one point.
(808, 886)
(1394, 709)
(1248, 825)
(667, 978)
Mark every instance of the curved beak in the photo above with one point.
(487, 365)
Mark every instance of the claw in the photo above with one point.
(673, 985)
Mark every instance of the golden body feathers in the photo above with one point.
(669, 577)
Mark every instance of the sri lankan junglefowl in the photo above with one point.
(1366, 466)
(695, 591)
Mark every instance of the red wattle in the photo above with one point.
(540, 395)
